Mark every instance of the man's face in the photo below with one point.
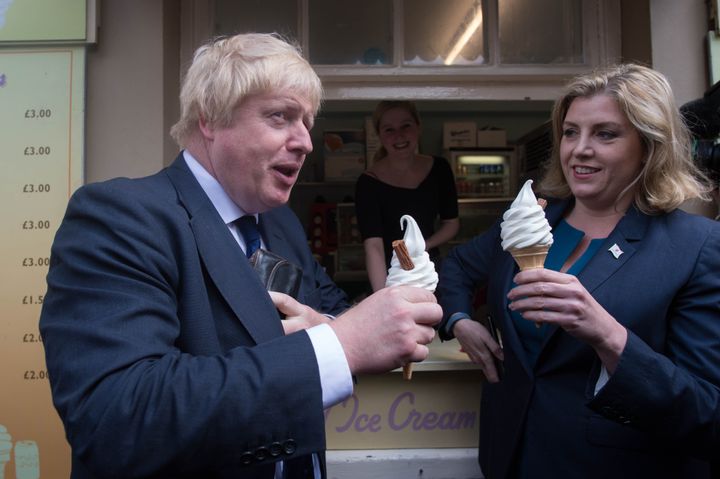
(257, 158)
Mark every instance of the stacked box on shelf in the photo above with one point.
(344, 154)
(458, 134)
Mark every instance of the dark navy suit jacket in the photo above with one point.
(659, 410)
(165, 354)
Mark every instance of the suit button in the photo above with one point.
(262, 453)
(246, 458)
(290, 446)
(276, 449)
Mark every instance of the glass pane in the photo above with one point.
(347, 32)
(444, 32)
(262, 16)
(540, 31)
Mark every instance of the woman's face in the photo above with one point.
(398, 132)
(601, 152)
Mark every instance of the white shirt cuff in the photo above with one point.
(603, 378)
(335, 377)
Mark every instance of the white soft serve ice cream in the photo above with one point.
(423, 275)
(524, 223)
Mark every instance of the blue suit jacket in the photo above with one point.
(165, 353)
(658, 409)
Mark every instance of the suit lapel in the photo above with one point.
(226, 265)
(510, 333)
(622, 240)
(270, 229)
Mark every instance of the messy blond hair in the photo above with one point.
(227, 69)
(668, 176)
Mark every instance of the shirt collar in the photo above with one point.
(229, 211)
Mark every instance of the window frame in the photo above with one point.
(601, 45)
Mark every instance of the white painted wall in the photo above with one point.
(125, 128)
(678, 30)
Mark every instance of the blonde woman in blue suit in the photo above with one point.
(622, 376)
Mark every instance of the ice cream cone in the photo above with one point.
(524, 223)
(531, 257)
(525, 231)
(406, 263)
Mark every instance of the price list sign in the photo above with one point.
(41, 143)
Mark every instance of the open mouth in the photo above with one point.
(585, 170)
(402, 145)
(287, 170)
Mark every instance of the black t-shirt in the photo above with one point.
(379, 206)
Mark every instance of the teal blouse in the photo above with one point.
(565, 240)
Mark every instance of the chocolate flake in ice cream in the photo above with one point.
(422, 274)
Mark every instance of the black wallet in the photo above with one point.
(277, 273)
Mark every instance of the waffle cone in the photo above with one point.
(531, 257)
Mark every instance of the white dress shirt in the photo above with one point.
(335, 377)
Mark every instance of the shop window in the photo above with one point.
(342, 32)
(407, 34)
(232, 16)
(540, 32)
(428, 49)
(444, 33)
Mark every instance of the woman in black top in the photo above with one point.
(402, 182)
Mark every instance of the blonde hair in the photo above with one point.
(382, 108)
(226, 70)
(668, 176)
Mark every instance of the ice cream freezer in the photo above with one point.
(437, 408)
(393, 427)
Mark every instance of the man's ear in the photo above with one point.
(207, 130)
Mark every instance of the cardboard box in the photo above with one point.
(344, 167)
(344, 142)
(491, 138)
(459, 134)
(344, 152)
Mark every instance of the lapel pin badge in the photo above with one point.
(615, 250)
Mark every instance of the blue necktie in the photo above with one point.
(249, 230)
